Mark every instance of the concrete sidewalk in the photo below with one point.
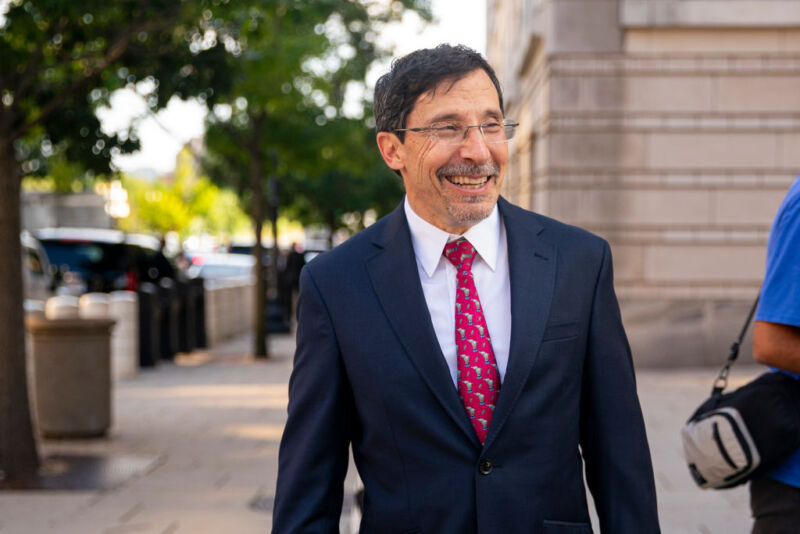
(209, 426)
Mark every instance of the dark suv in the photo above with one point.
(104, 260)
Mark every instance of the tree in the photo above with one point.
(188, 203)
(346, 179)
(62, 177)
(285, 109)
(61, 60)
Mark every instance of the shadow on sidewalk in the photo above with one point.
(82, 473)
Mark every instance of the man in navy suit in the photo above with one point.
(471, 352)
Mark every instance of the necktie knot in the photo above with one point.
(461, 254)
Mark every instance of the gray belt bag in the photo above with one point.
(734, 437)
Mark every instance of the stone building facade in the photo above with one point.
(43, 210)
(669, 127)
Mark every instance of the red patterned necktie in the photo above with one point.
(478, 377)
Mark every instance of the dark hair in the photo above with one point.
(397, 91)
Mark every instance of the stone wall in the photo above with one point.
(229, 309)
(672, 129)
(44, 210)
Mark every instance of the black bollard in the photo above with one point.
(170, 310)
(149, 325)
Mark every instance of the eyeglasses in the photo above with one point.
(452, 133)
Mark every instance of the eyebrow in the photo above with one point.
(488, 114)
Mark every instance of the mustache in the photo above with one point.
(462, 169)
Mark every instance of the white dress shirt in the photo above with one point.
(438, 278)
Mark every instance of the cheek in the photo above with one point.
(500, 154)
(426, 160)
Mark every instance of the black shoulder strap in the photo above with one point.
(722, 379)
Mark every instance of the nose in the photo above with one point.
(474, 147)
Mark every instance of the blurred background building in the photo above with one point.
(671, 128)
(42, 210)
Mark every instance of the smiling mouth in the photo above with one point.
(468, 182)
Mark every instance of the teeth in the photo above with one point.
(466, 180)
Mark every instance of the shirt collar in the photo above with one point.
(429, 241)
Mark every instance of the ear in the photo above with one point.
(392, 150)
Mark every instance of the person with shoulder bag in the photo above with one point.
(775, 497)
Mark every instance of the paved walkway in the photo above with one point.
(210, 427)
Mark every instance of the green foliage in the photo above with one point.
(62, 59)
(188, 204)
(347, 177)
(283, 65)
(284, 114)
(62, 177)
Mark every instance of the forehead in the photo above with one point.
(474, 95)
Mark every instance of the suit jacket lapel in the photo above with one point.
(532, 266)
(395, 280)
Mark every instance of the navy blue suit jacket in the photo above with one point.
(369, 372)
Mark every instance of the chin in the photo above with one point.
(471, 213)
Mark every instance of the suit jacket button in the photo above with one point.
(485, 467)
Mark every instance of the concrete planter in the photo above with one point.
(71, 375)
(123, 307)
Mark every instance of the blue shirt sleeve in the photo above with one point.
(780, 291)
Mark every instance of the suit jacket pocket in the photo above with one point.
(566, 527)
(561, 331)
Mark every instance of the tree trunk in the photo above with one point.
(18, 454)
(273, 218)
(257, 209)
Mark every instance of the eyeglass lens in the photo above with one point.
(453, 134)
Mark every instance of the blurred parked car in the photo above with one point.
(104, 260)
(239, 248)
(38, 281)
(309, 255)
(247, 249)
(220, 265)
